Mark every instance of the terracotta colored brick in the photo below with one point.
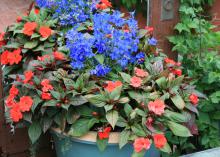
(10, 9)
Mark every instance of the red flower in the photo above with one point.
(149, 29)
(46, 96)
(135, 82)
(156, 107)
(177, 72)
(46, 85)
(13, 91)
(104, 134)
(194, 99)
(112, 85)
(45, 31)
(10, 102)
(19, 19)
(141, 144)
(25, 103)
(15, 113)
(2, 41)
(4, 57)
(36, 11)
(104, 4)
(159, 140)
(59, 56)
(28, 76)
(140, 72)
(29, 28)
(14, 57)
(169, 61)
(44, 57)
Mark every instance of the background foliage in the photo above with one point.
(198, 48)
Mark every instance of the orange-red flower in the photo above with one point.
(169, 61)
(177, 72)
(141, 144)
(46, 85)
(28, 76)
(105, 133)
(149, 29)
(19, 19)
(112, 85)
(157, 107)
(59, 56)
(46, 96)
(104, 4)
(4, 57)
(29, 28)
(140, 72)
(13, 91)
(45, 31)
(44, 58)
(135, 82)
(159, 140)
(25, 103)
(15, 113)
(194, 99)
(10, 102)
(14, 57)
(36, 11)
(2, 41)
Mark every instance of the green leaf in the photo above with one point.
(100, 58)
(138, 130)
(68, 83)
(178, 102)
(47, 122)
(124, 100)
(179, 130)
(102, 144)
(79, 128)
(96, 100)
(166, 148)
(125, 77)
(162, 82)
(124, 137)
(37, 100)
(116, 93)
(216, 115)
(128, 109)
(34, 131)
(112, 117)
(30, 44)
(174, 116)
(78, 100)
(50, 103)
(56, 95)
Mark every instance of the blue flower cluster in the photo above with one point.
(114, 37)
(71, 12)
(45, 3)
(80, 46)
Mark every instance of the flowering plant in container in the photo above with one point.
(82, 66)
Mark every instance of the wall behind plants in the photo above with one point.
(197, 45)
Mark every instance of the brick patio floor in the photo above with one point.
(10, 9)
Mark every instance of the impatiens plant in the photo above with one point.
(93, 70)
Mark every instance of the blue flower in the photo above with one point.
(140, 57)
(100, 70)
(152, 41)
(45, 3)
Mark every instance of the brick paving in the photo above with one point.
(10, 9)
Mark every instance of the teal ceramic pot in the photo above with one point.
(75, 147)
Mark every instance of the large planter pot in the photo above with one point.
(208, 153)
(86, 146)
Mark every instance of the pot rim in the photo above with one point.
(90, 137)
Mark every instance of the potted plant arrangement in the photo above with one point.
(86, 72)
